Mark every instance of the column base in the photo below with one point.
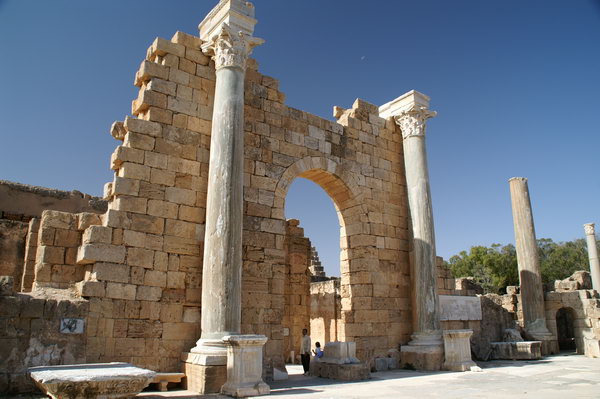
(244, 366)
(422, 357)
(201, 377)
(457, 349)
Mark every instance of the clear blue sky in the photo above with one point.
(515, 83)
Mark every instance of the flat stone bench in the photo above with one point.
(87, 381)
(163, 379)
(516, 350)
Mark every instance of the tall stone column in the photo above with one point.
(226, 33)
(425, 350)
(532, 292)
(590, 235)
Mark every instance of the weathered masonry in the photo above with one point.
(194, 244)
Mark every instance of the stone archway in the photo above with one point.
(565, 319)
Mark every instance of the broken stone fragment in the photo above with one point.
(117, 130)
(6, 286)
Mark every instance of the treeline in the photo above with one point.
(495, 267)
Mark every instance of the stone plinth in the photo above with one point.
(244, 366)
(457, 348)
(342, 372)
(85, 381)
(339, 362)
(524, 350)
(422, 357)
(201, 377)
(339, 353)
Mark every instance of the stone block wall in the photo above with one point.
(139, 267)
(30, 335)
(13, 234)
(325, 311)
(297, 310)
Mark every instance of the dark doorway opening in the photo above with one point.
(565, 318)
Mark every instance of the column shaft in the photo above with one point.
(590, 236)
(532, 294)
(419, 199)
(222, 264)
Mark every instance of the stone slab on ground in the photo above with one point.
(342, 372)
(522, 350)
(96, 380)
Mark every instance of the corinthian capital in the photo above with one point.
(229, 48)
(412, 121)
(589, 229)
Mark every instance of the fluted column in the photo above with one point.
(229, 46)
(590, 235)
(532, 292)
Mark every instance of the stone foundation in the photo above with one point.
(424, 357)
(203, 379)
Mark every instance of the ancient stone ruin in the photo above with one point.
(188, 260)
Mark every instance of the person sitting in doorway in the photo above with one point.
(317, 351)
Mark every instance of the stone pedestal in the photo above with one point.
(97, 380)
(244, 366)
(590, 236)
(339, 362)
(532, 293)
(457, 348)
(411, 112)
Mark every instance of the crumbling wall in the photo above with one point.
(12, 247)
(35, 331)
(31, 201)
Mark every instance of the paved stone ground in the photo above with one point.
(562, 376)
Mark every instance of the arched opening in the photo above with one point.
(565, 318)
(314, 276)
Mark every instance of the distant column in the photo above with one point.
(590, 235)
(532, 292)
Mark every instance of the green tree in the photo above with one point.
(495, 267)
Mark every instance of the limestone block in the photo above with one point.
(142, 126)
(153, 294)
(162, 86)
(459, 307)
(125, 154)
(86, 219)
(180, 196)
(426, 357)
(343, 372)
(105, 380)
(97, 234)
(90, 253)
(524, 350)
(134, 171)
(118, 219)
(54, 255)
(155, 278)
(140, 257)
(134, 239)
(120, 291)
(117, 130)
(147, 224)
(148, 70)
(159, 115)
(110, 272)
(138, 141)
(59, 220)
(91, 288)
